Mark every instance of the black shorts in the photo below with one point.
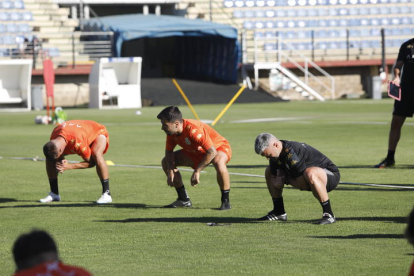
(405, 107)
(333, 180)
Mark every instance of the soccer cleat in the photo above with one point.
(225, 205)
(51, 197)
(104, 199)
(179, 203)
(385, 163)
(327, 219)
(271, 216)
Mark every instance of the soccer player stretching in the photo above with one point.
(201, 145)
(89, 140)
(301, 166)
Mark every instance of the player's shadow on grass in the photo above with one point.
(186, 219)
(246, 166)
(362, 236)
(6, 200)
(400, 166)
(385, 189)
(380, 219)
(72, 205)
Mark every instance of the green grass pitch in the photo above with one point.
(135, 236)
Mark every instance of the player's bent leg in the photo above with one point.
(223, 178)
(181, 159)
(98, 149)
(318, 181)
(275, 189)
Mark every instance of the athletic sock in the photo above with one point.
(105, 186)
(326, 207)
(278, 206)
(182, 194)
(390, 155)
(54, 186)
(225, 195)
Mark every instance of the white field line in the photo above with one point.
(238, 174)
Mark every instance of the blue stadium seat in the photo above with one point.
(280, 24)
(343, 22)
(375, 22)
(260, 13)
(269, 24)
(260, 3)
(365, 44)
(249, 14)
(3, 28)
(4, 16)
(385, 21)
(321, 45)
(333, 23)
(333, 12)
(375, 32)
(4, 52)
(354, 33)
(18, 4)
(396, 31)
(312, 12)
(239, 3)
(291, 3)
(270, 46)
(323, 23)
(280, 13)
(6, 4)
(289, 34)
(302, 12)
(270, 13)
(248, 25)
(395, 21)
(27, 16)
(8, 40)
(249, 3)
(406, 20)
(342, 33)
(323, 12)
(15, 16)
(269, 34)
(12, 28)
(354, 22)
(364, 11)
(406, 31)
(228, 4)
(353, 11)
(238, 14)
(365, 32)
(291, 13)
(271, 3)
(24, 28)
(259, 25)
(374, 10)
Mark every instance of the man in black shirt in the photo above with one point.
(301, 166)
(404, 72)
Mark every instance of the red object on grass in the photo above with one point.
(49, 79)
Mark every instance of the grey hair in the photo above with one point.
(262, 142)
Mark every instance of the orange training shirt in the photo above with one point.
(197, 137)
(79, 135)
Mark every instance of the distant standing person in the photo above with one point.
(301, 166)
(36, 254)
(201, 145)
(89, 140)
(404, 76)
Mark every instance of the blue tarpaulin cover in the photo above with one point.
(135, 26)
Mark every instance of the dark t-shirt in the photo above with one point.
(406, 55)
(296, 157)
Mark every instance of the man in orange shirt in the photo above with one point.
(201, 145)
(35, 253)
(89, 140)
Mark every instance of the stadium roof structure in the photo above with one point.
(135, 26)
(216, 42)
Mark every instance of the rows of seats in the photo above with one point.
(8, 5)
(323, 45)
(15, 31)
(301, 3)
(377, 21)
(335, 33)
(322, 12)
(16, 16)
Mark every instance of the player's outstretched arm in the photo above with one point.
(210, 154)
(169, 157)
(64, 165)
